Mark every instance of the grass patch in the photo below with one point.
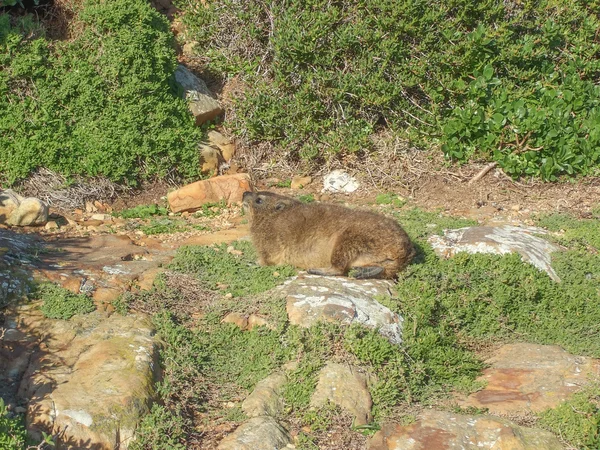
(164, 226)
(572, 232)
(211, 209)
(59, 303)
(237, 270)
(577, 420)
(142, 212)
(306, 198)
(390, 199)
(420, 224)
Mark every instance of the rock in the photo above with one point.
(339, 181)
(9, 201)
(91, 377)
(312, 298)
(499, 240)
(258, 433)
(19, 211)
(51, 225)
(236, 318)
(211, 159)
(265, 399)
(346, 387)
(90, 207)
(226, 187)
(257, 321)
(530, 377)
(201, 102)
(300, 182)
(101, 217)
(224, 144)
(444, 430)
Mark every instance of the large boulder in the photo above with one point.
(201, 102)
(88, 380)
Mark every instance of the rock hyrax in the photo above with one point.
(325, 239)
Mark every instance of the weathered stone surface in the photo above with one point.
(448, 431)
(19, 211)
(258, 433)
(224, 144)
(346, 387)
(499, 240)
(237, 319)
(313, 298)
(265, 399)
(201, 102)
(226, 187)
(300, 182)
(16, 258)
(339, 181)
(90, 377)
(529, 377)
(109, 264)
(211, 159)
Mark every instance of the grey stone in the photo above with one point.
(499, 240)
(203, 105)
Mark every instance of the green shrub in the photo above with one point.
(142, 212)
(103, 103)
(577, 420)
(12, 431)
(60, 303)
(515, 82)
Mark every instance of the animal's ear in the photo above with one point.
(279, 206)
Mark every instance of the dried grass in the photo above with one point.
(59, 193)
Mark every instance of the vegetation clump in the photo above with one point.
(101, 103)
(513, 82)
(59, 303)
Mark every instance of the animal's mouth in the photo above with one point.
(246, 200)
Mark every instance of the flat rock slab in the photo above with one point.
(258, 433)
(191, 197)
(529, 377)
(102, 265)
(90, 377)
(312, 298)
(448, 431)
(345, 386)
(499, 240)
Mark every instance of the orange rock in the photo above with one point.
(237, 319)
(226, 187)
(105, 295)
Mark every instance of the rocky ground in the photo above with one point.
(90, 379)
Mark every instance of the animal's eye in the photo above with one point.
(258, 200)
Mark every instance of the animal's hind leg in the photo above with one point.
(366, 272)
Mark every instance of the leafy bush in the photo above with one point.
(103, 103)
(12, 430)
(60, 303)
(515, 82)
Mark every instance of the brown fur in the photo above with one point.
(324, 238)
